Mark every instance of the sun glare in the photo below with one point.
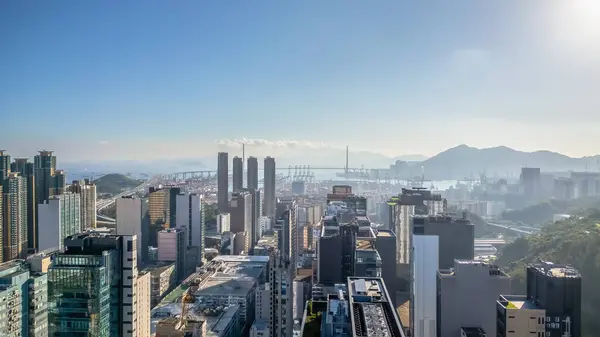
(578, 24)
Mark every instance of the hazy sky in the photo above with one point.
(150, 79)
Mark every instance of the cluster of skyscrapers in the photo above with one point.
(250, 210)
(286, 264)
(64, 276)
(38, 208)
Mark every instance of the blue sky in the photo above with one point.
(130, 79)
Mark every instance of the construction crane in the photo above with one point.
(185, 300)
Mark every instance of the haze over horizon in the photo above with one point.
(98, 80)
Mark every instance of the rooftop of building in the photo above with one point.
(556, 270)
(10, 267)
(363, 220)
(260, 324)
(364, 244)
(267, 241)
(320, 291)
(236, 287)
(93, 234)
(170, 325)
(241, 258)
(517, 302)
(367, 256)
(371, 310)
(444, 218)
(171, 230)
(302, 273)
(159, 268)
(385, 233)
(414, 196)
(493, 269)
(366, 233)
(403, 308)
(473, 332)
(217, 319)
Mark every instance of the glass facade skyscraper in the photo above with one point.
(92, 287)
(79, 288)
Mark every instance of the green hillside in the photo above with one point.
(543, 212)
(114, 183)
(575, 241)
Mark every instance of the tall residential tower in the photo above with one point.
(26, 169)
(252, 179)
(238, 174)
(270, 200)
(14, 227)
(223, 182)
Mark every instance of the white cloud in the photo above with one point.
(103, 142)
(282, 144)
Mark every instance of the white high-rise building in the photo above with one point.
(130, 221)
(425, 258)
(223, 223)
(58, 218)
(130, 292)
(189, 217)
(143, 305)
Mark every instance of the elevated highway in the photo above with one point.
(521, 230)
(493, 242)
(103, 203)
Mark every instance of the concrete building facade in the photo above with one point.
(467, 295)
(517, 316)
(59, 217)
(130, 221)
(270, 200)
(425, 260)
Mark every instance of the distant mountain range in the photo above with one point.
(456, 163)
(465, 161)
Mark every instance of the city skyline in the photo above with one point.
(115, 75)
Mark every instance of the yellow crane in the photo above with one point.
(185, 300)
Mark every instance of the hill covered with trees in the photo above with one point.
(542, 213)
(575, 241)
(114, 183)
